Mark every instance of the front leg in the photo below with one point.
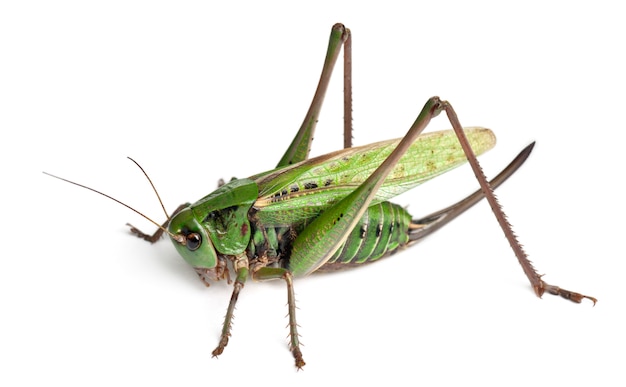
(159, 232)
(241, 267)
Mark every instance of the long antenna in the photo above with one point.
(153, 187)
(178, 238)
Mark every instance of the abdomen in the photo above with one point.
(380, 232)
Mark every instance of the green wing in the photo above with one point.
(293, 194)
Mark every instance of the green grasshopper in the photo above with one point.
(331, 212)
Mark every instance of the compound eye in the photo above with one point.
(194, 240)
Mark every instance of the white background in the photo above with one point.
(197, 92)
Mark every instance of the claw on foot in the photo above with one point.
(220, 347)
(298, 356)
(217, 351)
(567, 294)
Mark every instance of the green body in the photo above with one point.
(328, 212)
(260, 217)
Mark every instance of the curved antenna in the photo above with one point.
(153, 187)
(176, 237)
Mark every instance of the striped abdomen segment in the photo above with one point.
(380, 232)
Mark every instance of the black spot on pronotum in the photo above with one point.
(220, 215)
(310, 185)
(294, 189)
(328, 182)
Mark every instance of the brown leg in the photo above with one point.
(242, 275)
(268, 273)
(536, 282)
